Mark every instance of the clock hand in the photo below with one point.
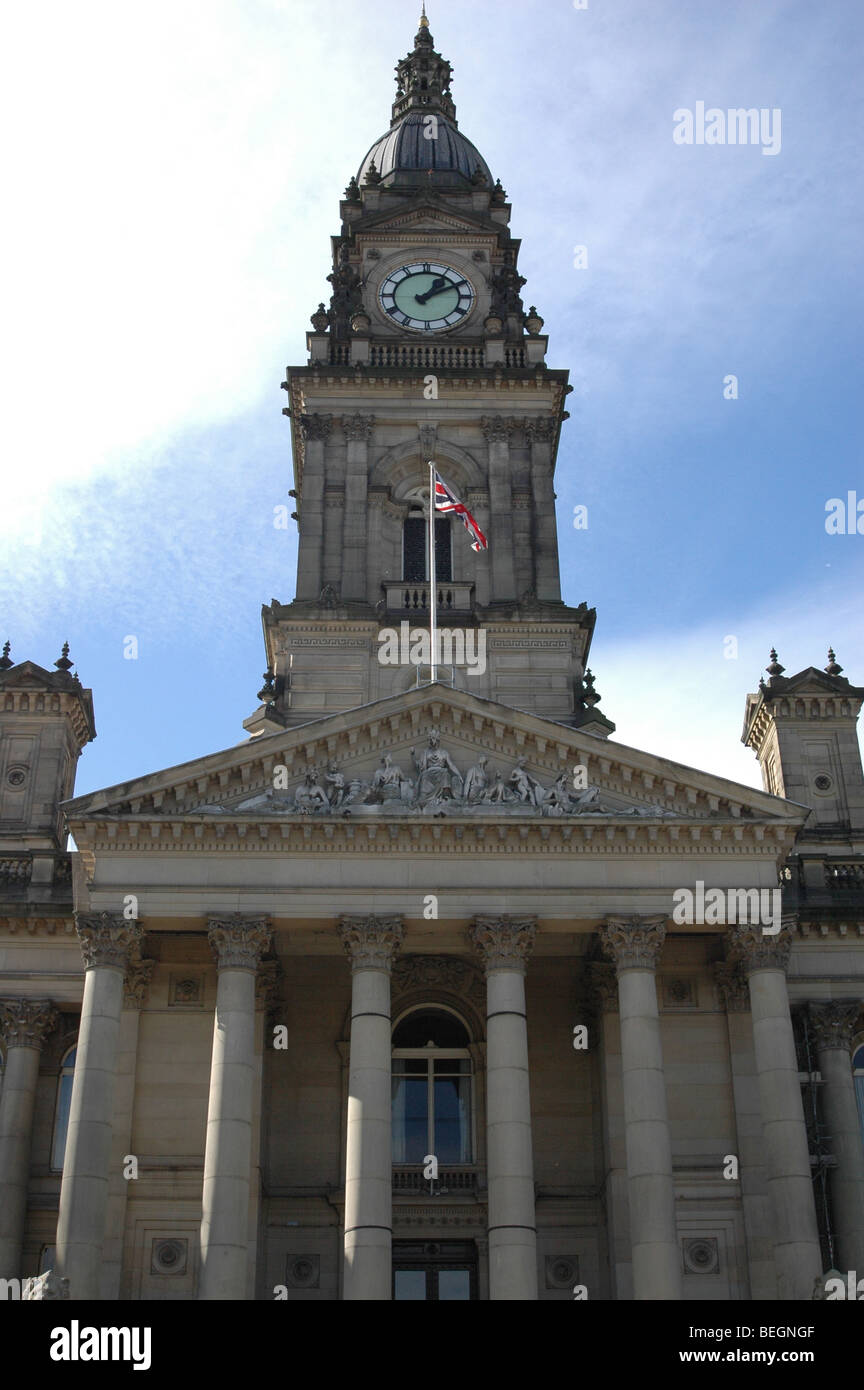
(436, 288)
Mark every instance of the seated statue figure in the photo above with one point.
(311, 798)
(476, 782)
(438, 776)
(391, 781)
(526, 787)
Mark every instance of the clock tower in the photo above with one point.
(425, 352)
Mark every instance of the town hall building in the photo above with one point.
(431, 989)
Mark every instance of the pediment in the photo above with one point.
(434, 753)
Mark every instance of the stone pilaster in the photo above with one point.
(238, 943)
(504, 945)
(634, 945)
(24, 1024)
(603, 984)
(797, 1256)
(315, 430)
(108, 942)
(499, 431)
(547, 583)
(371, 944)
(357, 429)
(833, 1025)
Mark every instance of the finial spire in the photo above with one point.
(5, 660)
(832, 669)
(774, 668)
(424, 23)
(63, 663)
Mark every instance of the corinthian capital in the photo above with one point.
(633, 943)
(316, 426)
(732, 986)
(833, 1023)
(371, 942)
(107, 939)
(540, 431)
(758, 951)
(602, 987)
(26, 1022)
(358, 427)
(239, 941)
(504, 943)
(136, 983)
(498, 429)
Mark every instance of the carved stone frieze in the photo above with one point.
(26, 1022)
(635, 942)
(438, 972)
(435, 786)
(758, 951)
(107, 939)
(371, 942)
(504, 943)
(239, 941)
(833, 1022)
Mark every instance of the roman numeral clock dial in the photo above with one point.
(425, 297)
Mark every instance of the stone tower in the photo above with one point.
(426, 352)
(46, 718)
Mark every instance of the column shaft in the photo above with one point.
(504, 944)
(797, 1253)
(23, 1024)
(634, 944)
(239, 943)
(371, 943)
(834, 1025)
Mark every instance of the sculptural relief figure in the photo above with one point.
(587, 800)
(336, 792)
(476, 782)
(526, 787)
(311, 798)
(438, 777)
(498, 792)
(391, 781)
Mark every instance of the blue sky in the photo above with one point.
(175, 172)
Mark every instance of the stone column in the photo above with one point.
(634, 944)
(357, 429)
(750, 1150)
(796, 1238)
(107, 941)
(371, 943)
(504, 944)
(834, 1025)
(315, 431)
(604, 1005)
(498, 431)
(547, 582)
(135, 987)
(238, 942)
(24, 1024)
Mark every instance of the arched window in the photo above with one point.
(415, 542)
(858, 1074)
(61, 1114)
(432, 1098)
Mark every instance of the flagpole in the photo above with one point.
(433, 585)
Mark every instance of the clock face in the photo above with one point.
(426, 297)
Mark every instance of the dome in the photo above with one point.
(406, 151)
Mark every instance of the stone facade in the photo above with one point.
(225, 1000)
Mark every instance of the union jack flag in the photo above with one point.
(447, 501)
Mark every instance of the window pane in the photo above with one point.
(435, 1026)
(454, 1286)
(452, 1126)
(452, 1066)
(410, 1285)
(62, 1122)
(410, 1119)
(443, 571)
(414, 551)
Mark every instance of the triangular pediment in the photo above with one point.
(429, 216)
(483, 761)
